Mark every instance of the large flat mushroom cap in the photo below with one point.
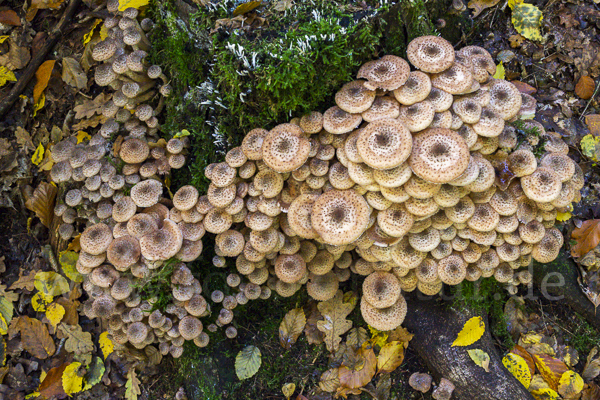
(384, 144)
(431, 54)
(285, 148)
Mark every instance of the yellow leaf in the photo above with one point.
(550, 368)
(247, 362)
(71, 381)
(378, 338)
(68, 260)
(81, 136)
(480, 358)
(531, 338)
(245, 7)
(88, 36)
(38, 155)
(6, 75)
(527, 19)
(470, 333)
(545, 394)
(103, 32)
(40, 300)
(330, 380)
(563, 216)
(517, 366)
(33, 395)
(590, 146)
(51, 283)
(39, 104)
(570, 384)
(42, 76)
(78, 341)
(106, 345)
(55, 313)
(132, 386)
(183, 133)
(390, 357)
(288, 390)
(291, 327)
(3, 38)
(124, 4)
(500, 72)
(6, 314)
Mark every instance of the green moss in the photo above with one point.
(583, 337)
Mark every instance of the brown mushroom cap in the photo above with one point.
(284, 148)
(382, 107)
(542, 186)
(185, 198)
(290, 268)
(384, 319)
(430, 54)
(381, 289)
(384, 144)
(322, 287)
(439, 155)
(96, 239)
(505, 99)
(338, 121)
(561, 164)
(418, 116)
(146, 193)
(388, 73)
(452, 270)
(142, 224)
(522, 162)
(189, 327)
(414, 90)
(299, 216)
(340, 216)
(163, 243)
(134, 151)
(420, 382)
(455, 80)
(312, 122)
(395, 221)
(123, 252)
(252, 143)
(354, 97)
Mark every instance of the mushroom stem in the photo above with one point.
(139, 99)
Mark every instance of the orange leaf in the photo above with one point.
(35, 337)
(585, 87)
(42, 76)
(593, 123)
(42, 202)
(587, 237)
(9, 17)
(524, 88)
(362, 374)
(550, 368)
(520, 351)
(52, 383)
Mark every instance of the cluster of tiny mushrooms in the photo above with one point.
(414, 179)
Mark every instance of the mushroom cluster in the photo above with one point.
(414, 179)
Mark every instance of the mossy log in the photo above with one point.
(435, 326)
(557, 281)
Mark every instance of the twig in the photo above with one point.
(55, 35)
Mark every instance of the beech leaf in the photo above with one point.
(72, 73)
(42, 76)
(480, 358)
(106, 345)
(527, 19)
(570, 384)
(55, 313)
(550, 368)
(51, 283)
(390, 357)
(517, 366)
(471, 332)
(71, 381)
(362, 373)
(6, 75)
(585, 87)
(42, 202)
(247, 362)
(587, 237)
(35, 337)
(291, 327)
(330, 381)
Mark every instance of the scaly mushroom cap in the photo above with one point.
(189, 250)
(388, 73)
(418, 116)
(489, 125)
(340, 216)
(96, 239)
(121, 288)
(425, 240)
(561, 164)
(452, 270)
(505, 99)
(395, 221)
(322, 287)
(123, 252)
(290, 268)
(384, 319)
(439, 155)
(141, 225)
(185, 198)
(455, 80)
(189, 327)
(137, 332)
(382, 107)
(134, 151)
(384, 144)
(146, 193)
(427, 271)
(338, 121)
(252, 143)
(299, 216)
(354, 97)
(393, 177)
(467, 109)
(285, 148)
(484, 218)
(414, 90)
(222, 174)
(104, 306)
(381, 289)
(543, 185)
(312, 122)
(231, 243)
(162, 244)
(430, 54)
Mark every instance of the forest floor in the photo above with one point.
(191, 45)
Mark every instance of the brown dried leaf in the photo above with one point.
(42, 76)
(291, 327)
(356, 337)
(334, 312)
(9, 17)
(24, 281)
(52, 383)
(362, 373)
(516, 40)
(35, 337)
(479, 5)
(42, 202)
(524, 87)
(24, 139)
(592, 366)
(71, 316)
(550, 368)
(520, 351)
(17, 57)
(91, 107)
(78, 341)
(587, 237)
(72, 74)
(330, 380)
(400, 334)
(90, 123)
(593, 123)
(585, 87)
(313, 335)
(592, 392)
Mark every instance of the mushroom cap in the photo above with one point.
(381, 289)
(439, 155)
(338, 121)
(542, 186)
(231, 243)
(395, 221)
(505, 99)
(414, 90)
(484, 218)
(418, 116)
(322, 287)
(134, 151)
(354, 97)
(96, 239)
(382, 107)
(146, 193)
(290, 268)
(163, 243)
(489, 125)
(190, 250)
(384, 144)
(189, 327)
(441, 100)
(425, 240)
(299, 216)
(340, 216)
(388, 73)
(532, 232)
(104, 50)
(384, 319)
(221, 174)
(137, 332)
(455, 80)
(467, 109)
(312, 122)
(393, 177)
(123, 252)
(430, 54)
(104, 306)
(420, 382)
(141, 224)
(185, 198)
(561, 164)
(252, 143)
(404, 255)
(444, 390)
(104, 276)
(452, 270)
(285, 148)
(269, 182)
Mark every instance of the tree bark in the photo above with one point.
(435, 326)
(557, 281)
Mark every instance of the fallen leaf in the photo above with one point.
(520, 351)
(356, 337)
(132, 386)
(524, 87)
(42, 202)
(6, 75)
(124, 4)
(563, 216)
(6, 314)
(154, 356)
(55, 313)
(247, 362)
(35, 337)
(500, 71)
(90, 123)
(550, 368)
(480, 358)
(527, 19)
(25, 281)
(68, 261)
(71, 315)
(585, 87)
(471, 332)
(593, 123)
(545, 394)
(8, 295)
(246, 7)
(91, 107)
(334, 324)
(106, 345)
(88, 36)
(592, 366)
(72, 73)
(17, 56)
(288, 390)
(592, 392)
(51, 385)
(95, 372)
(590, 147)
(9, 17)
(362, 373)
(78, 341)
(517, 366)
(587, 236)
(330, 381)
(24, 139)
(40, 301)
(38, 155)
(71, 381)
(570, 384)
(42, 76)
(479, 5)
(291, 327)
(2, 353)
(378, 338)
(390, 357)
(51, 283)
